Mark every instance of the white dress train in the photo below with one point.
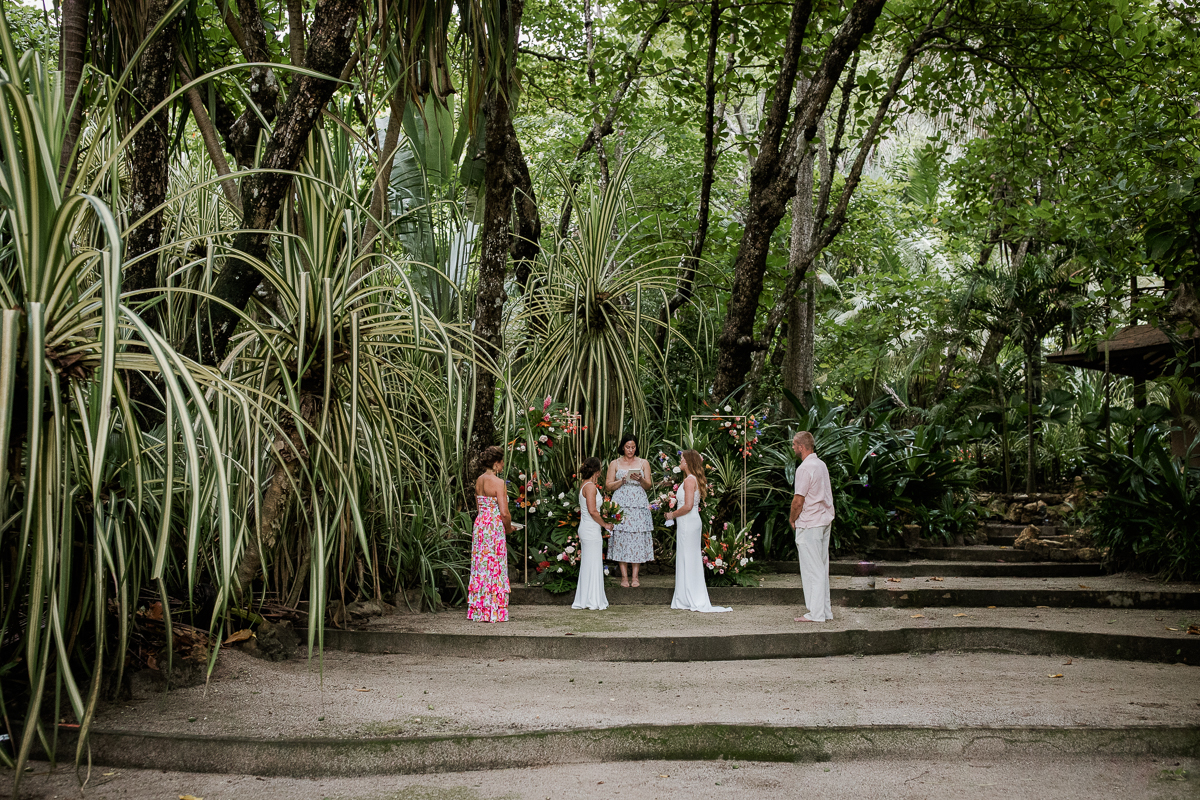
(691, 594)
(590, 591)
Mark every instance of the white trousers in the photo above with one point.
(813, 546)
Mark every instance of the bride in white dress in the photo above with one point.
(590, 591)
(691, 594)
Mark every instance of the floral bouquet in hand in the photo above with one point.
(610, 511)
(728, 556)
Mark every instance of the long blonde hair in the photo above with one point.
(695, 466)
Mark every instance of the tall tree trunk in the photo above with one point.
(500, 178)
(798, 368)
(263, 193)
(72, 49)
(263, 88)
(149, 156)
(772, 179)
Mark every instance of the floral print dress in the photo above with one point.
(632, 540)
(487, 593)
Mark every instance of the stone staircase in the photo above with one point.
(1030, 656)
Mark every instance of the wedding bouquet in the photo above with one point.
(610, 511)
(728, 556)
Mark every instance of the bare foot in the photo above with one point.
(635, 584)
(625, 582)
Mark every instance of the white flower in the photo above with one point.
(561, 495)
(521, 477)
(674, 469)
(727, 408)
(542, 438)
(569, 549)
(560, 569)
(549, 513)
(719, 563)
(744, 561)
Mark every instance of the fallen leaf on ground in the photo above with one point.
(189, 797)
(239, 636)
(1057, 675)
(362, 690)
(935, 579)
(1194, 629)
(1067, 663)
(1043, 606)
(918, 616)
(664, 776)
(568, 634)
(1172, 629)
(1081, 586)
(991, 606)
(893, 580)
(109, 774)
(960, 615)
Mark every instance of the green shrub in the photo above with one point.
(1149, 514)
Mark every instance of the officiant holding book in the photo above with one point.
(628, 479)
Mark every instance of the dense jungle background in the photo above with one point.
(274, 273)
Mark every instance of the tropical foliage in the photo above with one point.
(273, 276)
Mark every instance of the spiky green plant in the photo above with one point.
(590, 322)
(79, 504)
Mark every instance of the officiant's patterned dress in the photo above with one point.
(632, 540)
(487, 593)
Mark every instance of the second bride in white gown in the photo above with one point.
(590, 591)
(691, 593)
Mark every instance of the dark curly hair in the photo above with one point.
(489, 457)
(589, 467)
(629, 437)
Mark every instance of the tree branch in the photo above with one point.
(605, 126)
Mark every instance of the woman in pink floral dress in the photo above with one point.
(487, 593)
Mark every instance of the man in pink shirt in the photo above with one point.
(811, 517)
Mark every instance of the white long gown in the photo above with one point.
(590, 591)
(690, 592)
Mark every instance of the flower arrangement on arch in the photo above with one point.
(543, 427)
(728, 556)
(558, 560)
(743, 429)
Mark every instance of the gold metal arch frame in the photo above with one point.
(735, 417)
(578, 419)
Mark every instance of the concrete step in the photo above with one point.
(971, 569)
(999, 533)
(885, 596)
(1001, 553)
(659, 633)
(817, 643)
(237, 759)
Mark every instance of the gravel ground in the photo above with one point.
(361, 695)
(976, 778)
